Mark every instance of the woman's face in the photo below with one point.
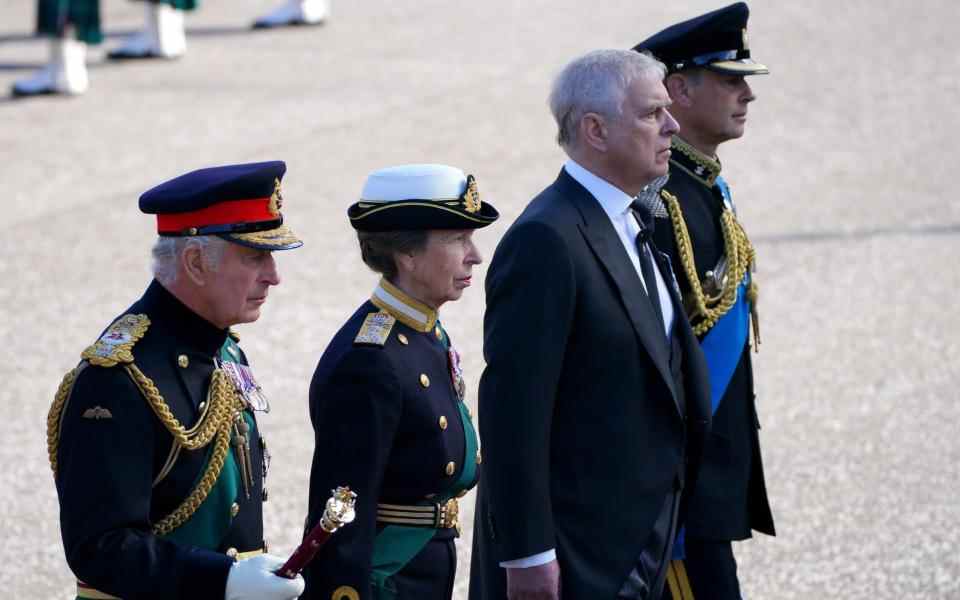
(442, 269)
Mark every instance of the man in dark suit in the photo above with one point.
(594, 401)
(708, 60)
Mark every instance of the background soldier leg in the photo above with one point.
(163, 34)
(71, 25)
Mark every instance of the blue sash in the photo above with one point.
(722, 347)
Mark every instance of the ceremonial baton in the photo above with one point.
(337, 513)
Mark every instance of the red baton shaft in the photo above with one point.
(338, 512)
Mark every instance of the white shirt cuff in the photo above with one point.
(531, 561)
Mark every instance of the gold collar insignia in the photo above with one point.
(702, 167)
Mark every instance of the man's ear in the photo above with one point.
(193, 265)
(593, 131)
(680, 90)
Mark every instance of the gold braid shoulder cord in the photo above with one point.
(740, 258)
(225, 407)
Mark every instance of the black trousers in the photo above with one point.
(430, 575)
(711, 569)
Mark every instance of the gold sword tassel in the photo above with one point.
(752, 294)
(242, 444)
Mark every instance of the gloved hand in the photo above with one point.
(253, 579)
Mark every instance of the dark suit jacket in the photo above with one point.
(582, 435)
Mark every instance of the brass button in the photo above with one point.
(469, 412)
(424, 380)
(232, 552)
(402, 339)
(202, 405)
(183, 361)
(437, 332)
(451, 468)
(479, 457)
(443, 422)
(234, 509)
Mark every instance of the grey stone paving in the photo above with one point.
(844, 181)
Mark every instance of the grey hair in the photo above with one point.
(378, 248)
(166, 251)
(597, 82)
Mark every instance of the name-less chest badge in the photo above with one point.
(241, 376)
(375, 329)
(97, 412)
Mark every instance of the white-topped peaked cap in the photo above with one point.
(420, 196)
(414, 182)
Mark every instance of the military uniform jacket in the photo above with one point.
(730, 496)
(118, 474)
(583, 436)
(387, 422)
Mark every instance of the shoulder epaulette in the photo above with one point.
(116, 344)
(375, 329)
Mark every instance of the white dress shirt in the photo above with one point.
(617, 206)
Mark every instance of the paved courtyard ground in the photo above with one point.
(844, 180)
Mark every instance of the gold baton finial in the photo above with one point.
(339, 509)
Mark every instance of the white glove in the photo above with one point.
(253, 579)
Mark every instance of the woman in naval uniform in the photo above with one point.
(387, 397)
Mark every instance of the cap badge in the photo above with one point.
(746, 44)
(471, 197)
(276, 199)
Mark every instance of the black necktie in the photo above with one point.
(645, 220)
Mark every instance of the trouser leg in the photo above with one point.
(54, 16)
(708, 572)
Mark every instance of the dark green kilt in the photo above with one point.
(54, 15)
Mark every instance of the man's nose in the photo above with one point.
(670, 125)
(271, 274)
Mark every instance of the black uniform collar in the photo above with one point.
(409, 311)
(701, 167)
(186, 326)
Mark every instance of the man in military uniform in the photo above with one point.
(387, 397)
(157, 458)
(708, 60)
